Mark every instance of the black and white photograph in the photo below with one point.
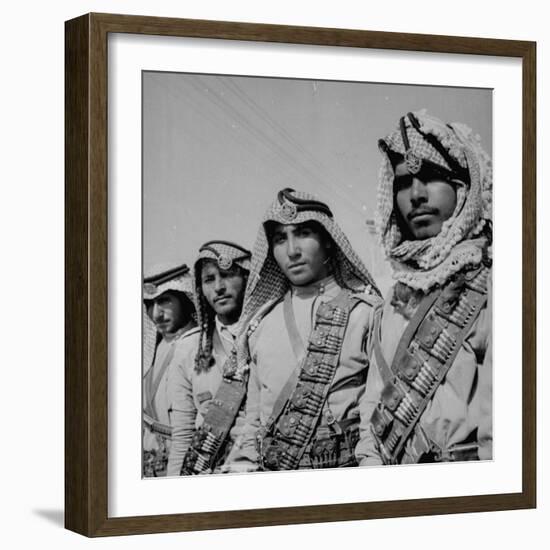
(317, 274)
(257, 274)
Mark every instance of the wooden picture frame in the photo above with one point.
(86, 279)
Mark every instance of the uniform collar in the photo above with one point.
(174, 336)
(224, 329)
(328, 285)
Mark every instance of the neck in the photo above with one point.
(228, 320)
(314, 288)
(169, 337)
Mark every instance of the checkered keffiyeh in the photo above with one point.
(162, 278)
(267, 283)
(158, 280)
(423, 264)
(225, 254)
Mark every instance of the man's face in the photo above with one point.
(223, 290)
(301, 252)
(424, 204)
(167, 313)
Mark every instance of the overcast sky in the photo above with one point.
(216, 149)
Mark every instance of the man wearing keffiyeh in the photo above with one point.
(203, 366)
(168, 314)
(429, 390)
(306, 321)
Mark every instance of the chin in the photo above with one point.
(226, 310)
(424, 233)
(300, 281)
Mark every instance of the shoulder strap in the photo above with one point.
(423, 357)
(369, 298)
(282, 398)
(383, 367)
(209, 440)
(152, 385)
(386, 371)
(292, 329)
(301, 402)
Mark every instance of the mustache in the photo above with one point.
(421, 211)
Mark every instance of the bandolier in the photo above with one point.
(429, 391)
(287, 436)
(300, 430)
(211, 443)
(158, 355)
(424, 355)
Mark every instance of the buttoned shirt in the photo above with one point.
(157, 392)
(462, 403)
(193, 391)
(273, 360)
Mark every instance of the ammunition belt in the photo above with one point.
(332, 446)
(423, 357)
(208, 445)
(423, 450)
(157, 427)
(285, 438)
(155, 461)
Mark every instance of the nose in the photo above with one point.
(219, 285)
(156, 313)
(419, 193)
(292, 247)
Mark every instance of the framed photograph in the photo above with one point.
(195, 145)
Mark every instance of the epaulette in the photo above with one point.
(368, 296)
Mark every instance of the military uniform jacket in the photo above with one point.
(462, 403)
(193, 392)
(158, 404)
(273, 362)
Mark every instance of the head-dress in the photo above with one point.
(225, 254)
(454, 153)
(158, 280)
(267, 283)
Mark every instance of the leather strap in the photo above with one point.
(284, 440)
(296, 342)
(152, 386)
(209, 440)
(157, 427)
(421, 311)
(383, 367)
(424, 355)
(282, 399)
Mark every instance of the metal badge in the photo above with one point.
(224, 262)
(230, 366)
(413, 162)
(149, 288)
(288, 211)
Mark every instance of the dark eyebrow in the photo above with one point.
(401, 182)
